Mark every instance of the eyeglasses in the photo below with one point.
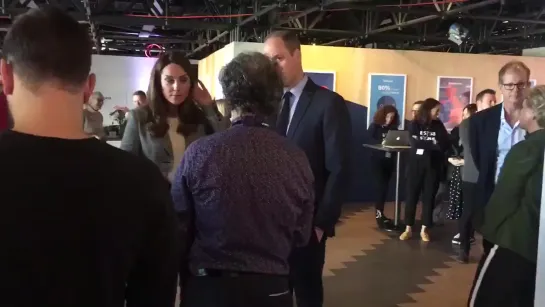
(520, 86)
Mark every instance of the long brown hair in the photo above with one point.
(189, 114)
(380, 116)
(423, 116)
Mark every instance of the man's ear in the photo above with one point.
(6, 75)
(89, 87)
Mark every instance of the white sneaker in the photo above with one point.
(456, 239)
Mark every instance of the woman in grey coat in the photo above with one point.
(180, 110)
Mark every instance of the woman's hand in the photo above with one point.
(456, 161)
(201, 94)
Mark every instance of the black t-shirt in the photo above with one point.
(83, 223)
(429, 140)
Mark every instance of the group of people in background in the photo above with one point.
(492, 164)
(232, 211)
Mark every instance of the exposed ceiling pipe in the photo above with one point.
(509, 19)
(240, 24)
(405, 24)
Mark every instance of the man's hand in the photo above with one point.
(319, 233)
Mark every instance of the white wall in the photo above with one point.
(537, 52)
(247, 47)
(118, 77)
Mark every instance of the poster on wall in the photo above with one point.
(386, 89)
(323, 78)
(533, 83)
(454, 93)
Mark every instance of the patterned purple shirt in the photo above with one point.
(250, 195)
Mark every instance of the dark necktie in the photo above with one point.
(284, 117)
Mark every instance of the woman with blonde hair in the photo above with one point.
(506, 276)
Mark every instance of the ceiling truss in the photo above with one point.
(199, 27)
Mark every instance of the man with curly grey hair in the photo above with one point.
(250, 192)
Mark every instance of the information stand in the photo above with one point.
(398, 149)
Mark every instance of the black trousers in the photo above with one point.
(503, 279)
(240, 291)
(383, 169)
(307, 264)
(423, 179)
(466, 227)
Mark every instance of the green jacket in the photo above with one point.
(511, 218)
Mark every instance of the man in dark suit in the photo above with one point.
(494, 131)
(317, 120)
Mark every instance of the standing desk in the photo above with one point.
(397, 149)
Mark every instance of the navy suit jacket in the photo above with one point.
(321, 127)
(484, 128)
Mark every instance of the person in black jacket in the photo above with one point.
(383, 163)
(429, 143)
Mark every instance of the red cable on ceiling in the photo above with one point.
(295, 12)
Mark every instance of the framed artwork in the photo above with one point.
(386, 89)
(322, 78)
(454, 93)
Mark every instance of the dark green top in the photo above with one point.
(511, 218)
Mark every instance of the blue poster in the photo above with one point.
(323, 79)
(386, 90)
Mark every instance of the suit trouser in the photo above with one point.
(466, 224)
(306, 265)
(503, 279)
(240, 291)
(383, 169)
(423, 179)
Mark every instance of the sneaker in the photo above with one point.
(406, 235)
(382, 221)
(424, 236)
(456, 239)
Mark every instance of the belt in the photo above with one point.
(221, 273)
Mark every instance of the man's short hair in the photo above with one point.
(141, 94)
(481, 94)
(47, 45)
(289, 38)
(513, 65)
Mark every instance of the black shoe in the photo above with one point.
(462, 257)
(384, 222)
(456, 240)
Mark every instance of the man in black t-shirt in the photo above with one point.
(81, 223)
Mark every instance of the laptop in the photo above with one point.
(397, 139)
